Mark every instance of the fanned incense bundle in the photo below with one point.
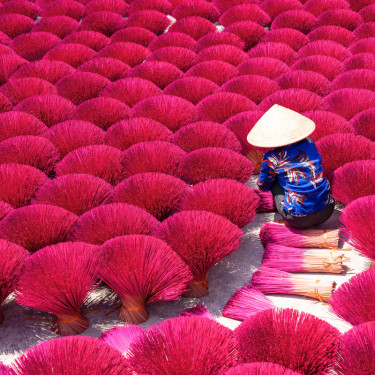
(172, 39)
(290, 338)
(291, 259)
(354, 300)
(261, 368)
(198, 310)
(72, 355)
(12, 260)
(142, 269)
(135, 34)
(246, 302)
(91, 39)
(266, 201)
(120, 338)
(272, 281)
(202, 239)
(57, 279)
(108, 67)
(284, 235)
(182, 344)
(356, 355)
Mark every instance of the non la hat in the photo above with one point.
(280, 126)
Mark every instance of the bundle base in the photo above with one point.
(70, 325)
(197, 289)
(256, 157)
(372, 265)
(133, 314)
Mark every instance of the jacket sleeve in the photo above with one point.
(267, 172)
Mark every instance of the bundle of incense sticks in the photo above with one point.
(292, 259)
(272, 281)
(284, 235)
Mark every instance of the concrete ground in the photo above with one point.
(17, 334)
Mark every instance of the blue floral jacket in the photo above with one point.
(297, 168)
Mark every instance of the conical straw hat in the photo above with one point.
(280, 126)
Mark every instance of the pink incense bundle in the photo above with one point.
(102, 111)
(22, 88)
(358, 220)
(328, 66)
(51, 71)
(103, 22)
(81, 86)
(250, 32)
(50, 109)
(69, 355)
(345, 18)
(169, 110)
(74, 267)
(173, 39)
(261, 368)
(215, 162)
(97, 160)
(299, 100)
(273, 281)
(68, 8)
(356, 355)
(293, 38)
(291, 259)
(61, 26)
(181, 57)
(193, 89)
(163, 6)
(178, 344)
(356, 78)
(127, 133)
(215, 70)
(131, 90)
(368, 13)
(228, 198)
(224, 5)
(153, 156)
(142, 269)
(344, 179)
(361, 61)
(304, 79)
(34, 227)
(366, 30)
(160, 73)
(275, 7)
(327, 123)
(245, 302)
(12, 260)
(325, 48)
(33, 46)
(21, 7)
(245, 12)
(69, 135)
(240, 125)
(9, 64)
(203, 134)
(221, 106)
(198, 310)
(353, 301)
(157, 193)
(110, 68)
(202, 239)
(214, 39)
(223, 52)
(15, 24)
(294, 339)
(115, 6)
(120, 338)
(77, 193)
(339, 149)
(295, 19)
(362, 123)
(71, 53)
(36, 152)
(18, 183)
(194, 26)
(317, 7)
(198, 8)
(279, 51)
(91, 39)
(104, 222)
(150, 19)
(137, 35)
(284, 235)
(266, 201)
(254, 87)
(334, 33)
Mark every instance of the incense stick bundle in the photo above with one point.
(288, 236)
(267, 203)
(291, 259)
(272, 281)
